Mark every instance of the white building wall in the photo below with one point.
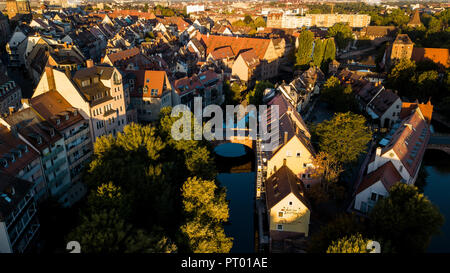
(365, 195)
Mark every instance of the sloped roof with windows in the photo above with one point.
(282, 183)
(237, 44)
(148, 80)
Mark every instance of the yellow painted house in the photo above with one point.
(289, 210)
(294, 149)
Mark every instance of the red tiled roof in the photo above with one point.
(237, 44)
(250, 58)
(222, 53)
(122, 55)
(437, 55)
(8, 142)
(409, 141)
(409, 107)
(181, 24)
(50, 105)
(124, 13)
(387, 174)
(152, 80)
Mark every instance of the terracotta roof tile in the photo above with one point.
(237, 44)
(387, 174)
(438, 55)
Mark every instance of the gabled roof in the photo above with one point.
(122, 55)
(222, 53)
(31, 126)
(409, 141)
(250, 58)
(287, 124)
(387, 174)
(9, 142)
(381, 103)
(425, 108)
(282, 183)
(150, 79)
(52, 106)
(237, 44)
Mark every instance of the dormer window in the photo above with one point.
(85, 83)
(39, 140)
(75, 113)
(67, 117)
(58, 122)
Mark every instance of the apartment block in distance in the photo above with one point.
(18, 220)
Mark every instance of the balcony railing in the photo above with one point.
(53, 152)
(55, 166)
(25, 221)
(12, 217)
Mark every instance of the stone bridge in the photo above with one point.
(246, 140)
(439, 142)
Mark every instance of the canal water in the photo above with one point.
(437, 189)
(236, 174)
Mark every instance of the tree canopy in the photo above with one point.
(255, 96)
(342, 34)
(406, 219)
(305, 47)
(137, 177)
(349, 244)
(339, 97)
(344, 137)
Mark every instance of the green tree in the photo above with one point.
(349, 244)
(319, 50)
(259, 22)
(406, 219)
(141, 171)
(206, 208)
(401, 75)
(330, 50)
(341, 226)
(248, 19)
(256, 95)
(342, 34)
(427, 84)
(305, 47)
(340, 97)
(107, 232)
(344, 137)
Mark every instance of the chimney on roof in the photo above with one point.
(67, 72)
(285, 137)
(50, 78)
(89, 63)
(11, 110)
